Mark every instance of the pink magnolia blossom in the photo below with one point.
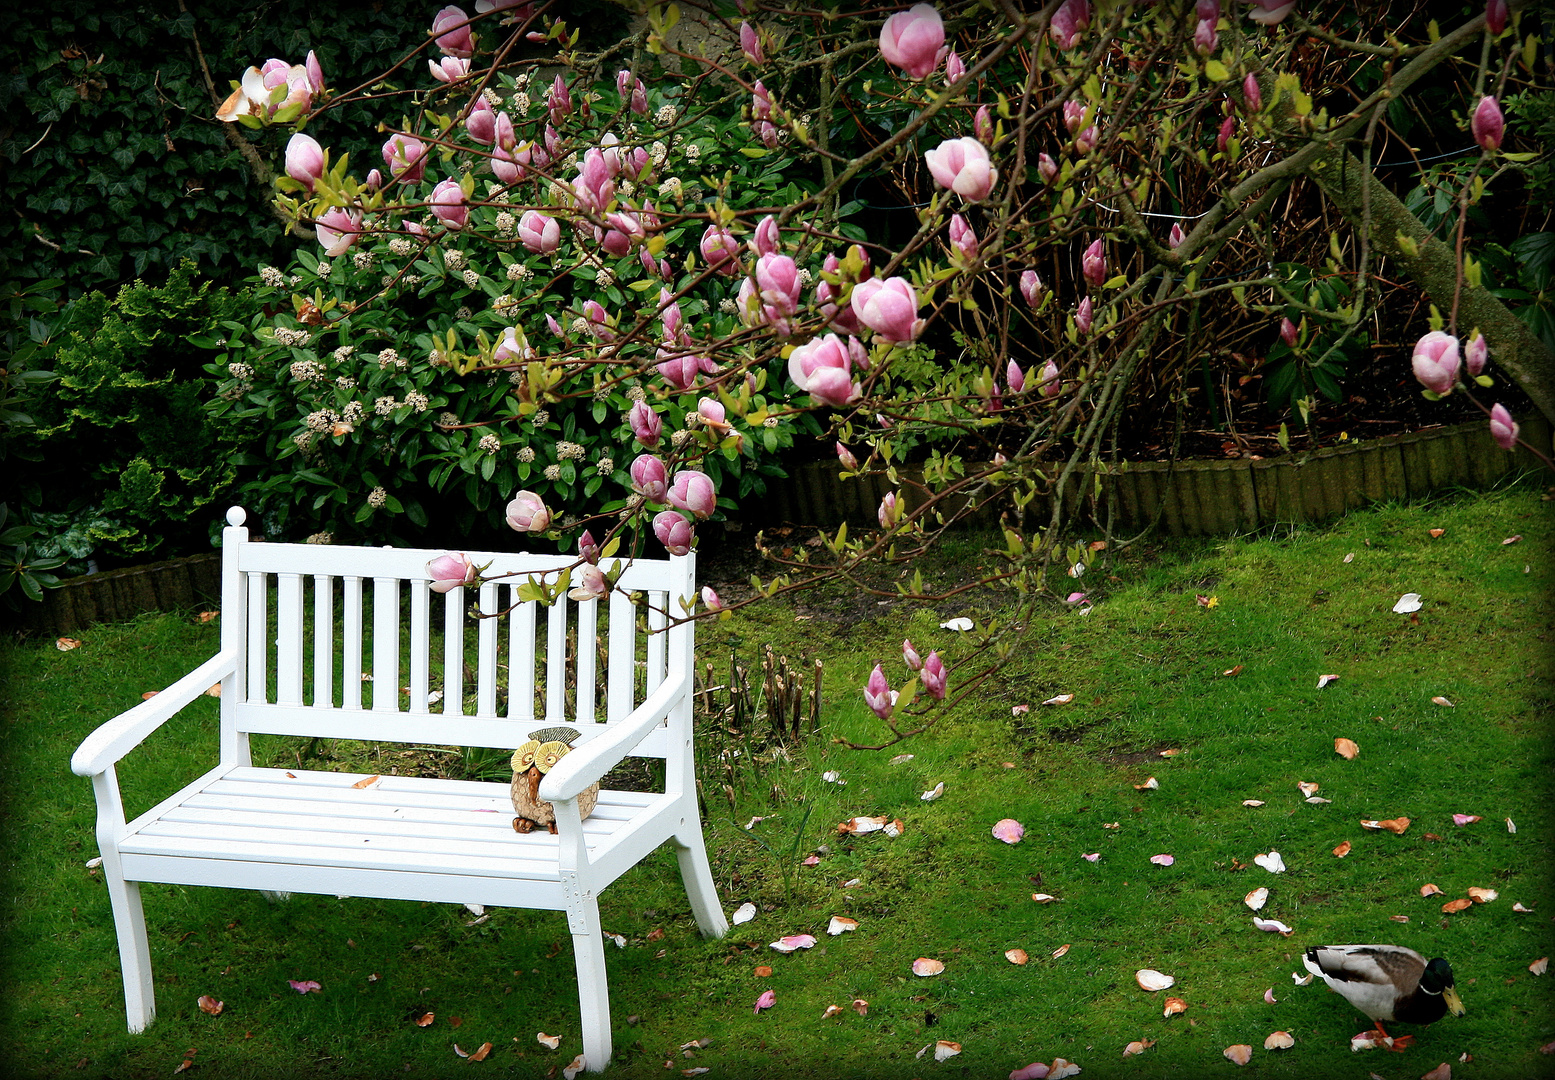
(712, 412)
(719, 248)
(954, 67)
(962, 166)
(450, 69)
(962, 239)
(1223, 136)
(1502, 427)
(1475, 354)
(822, 367)
(588, 548)
(338, 229)
(1030, 288)
(777, 279)
(374, 180)
(1085, 141)
(592, 584)
(481, 123)
(1435, 361)
(1074, 115)
(1175, 238)
(673, 531)
(1270, 12)
(761, 102)
(750, 44)
(692, 492)
(889, 308)
(1014, 377)
(1252, 94)
(877, 694)
(1205, 37)
(315, 72)
(982, 126)
(598, 320)
(912, 39)
(1048, 383)
(889, 511)
(765, 240)
(1071, 17)
(1093, 264)
(1288, 332)
(1495, 16)
(1083, 316)
(451, 571)
(511, 347)
(539, 233)
(845, 456)
(680, 371)
(527, 513)
(647, 427)
(1047, 168)
(406, 158)
(767, 999)
(1487, 125)
(710, 599)
(451, 28)
(649, 477)
(558, 100)
(304, 159)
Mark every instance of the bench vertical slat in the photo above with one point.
(288, 639)
(587, 664)
(521, 657)
(258, 635)
(486, 653)
(623, 656)
(386, 644)
(556, 662)
(351, 643)
(658, 619)
(420, 646)
(323, 641)
(453, 651)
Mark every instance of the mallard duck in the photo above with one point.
(530, 763)
(1387, 982)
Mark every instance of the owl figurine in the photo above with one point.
(531, 762)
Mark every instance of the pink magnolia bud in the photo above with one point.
(588, 548)
(337, 230)
(1227, 129)
(982, 126)
(1083, 316)
(761, 102)
(1435, 361)
(933, 677)
(1071, 17)
(777, 278)
(1074, 116)
(954, 67)
(910, 655)
(1014, 377)
(1488, 126)
(889, 511)
(448, 204)
(451, 28)
(710, 599)
(554, 326)
(679, 371)
(1031, 288)
(962, 238)
(1047, 167)
(1093, 264)
(670, 317)
(1502, 427)
(510, 347)
(374, 180)
(1175, 238)
(1205, 37)
(482, 122)
(558, 100)
(649, 478)
(845, 456)
(911, 40)
(527, 513)
(1270, 12)
(598, 320)
(765, 241)
(451, 571)
(962, 166)
(1495, 16)
(304, 159)
(1288, 332)
(315, 72)
(646, 426)
(539, 233)
(1475, 354)
(450, 69)
(692, 492)
(877, 694)
(719, 248)
(673, 531)
(711, 410)
(406, 158)
(750, 44)
(1206, 9)
(1048, 383)
(889, 308)
(767, 132)
(1085, 142)
(1252, 95)
(592, 584)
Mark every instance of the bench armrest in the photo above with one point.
(591, 761)
(104, 747)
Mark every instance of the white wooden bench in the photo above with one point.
(416, 838)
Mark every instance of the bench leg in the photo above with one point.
(588, 953)
(698, 879)
(129, 923)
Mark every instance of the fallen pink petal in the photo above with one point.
(1163, 860)
(1009, 830)
(791, 942)
(305, 987)
(765, 1001)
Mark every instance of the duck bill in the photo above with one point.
(1454, 1002)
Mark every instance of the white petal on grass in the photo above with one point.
(550, 1042)
(1407, 603)
(1016, 956)
(899, 759)
(1272, 926)
(791, 942)
(1257, 898)
(1153, 980)
(925, 966)
(1299, 979)
(841, 924)
(1163, 859)
(577, 1066)
(743, 914)
(934, 793)
(1059, 699)
(1271, 862)
(961, 625)
(1324, 680)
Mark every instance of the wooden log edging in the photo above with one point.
(114, 595)
(1215, 497)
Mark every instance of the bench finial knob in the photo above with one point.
(236, 516)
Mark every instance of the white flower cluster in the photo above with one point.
(364, 260)
(324, 267)
(770, 421)
(520, 102)
(540, 418)
(322, 420)
(385, 405)
(377, 497)
(303, 441)
(519, 272)
(569, 451)
(526, 454)
(463, 310)
(678, 439)
(491, 96)
(505, 223)
(636, 393)
(288, 337)
(727, 306)
(658, 152)
(353, 412)
(454, 260)
(346, 382)
(325, 537)
(516, 377)
(417, 400)
(490, 443)
(410, 281)
(693, 191)
(401, 246)
(552, 472)
(604, 277)
(693, 151)
(307, 370)
(436, 359)
(805, 277)
(239, 370)
(343, 353)
(503, 302)
(665, 116)
(472, 278)
(670, 189)
(605, 466)
(272, 277)
(447, 419)
(390, 358)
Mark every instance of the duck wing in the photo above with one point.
(1373, 978)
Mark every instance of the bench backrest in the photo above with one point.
(352, 643)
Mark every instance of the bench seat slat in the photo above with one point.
(604, 818)
(288, 852)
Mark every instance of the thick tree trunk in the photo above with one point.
(1434, 267)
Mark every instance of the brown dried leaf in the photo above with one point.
(1444, 1070)
(207, 616)
(1430, 889)
(1171, 752)
(1439, 700)
(1252, 802)
(1342, 850)
(831, 1011)
(425, 1020)
(762, 971)
(1240, 1054)
(861, 1006)
(1435, 533)
(1540, 966)
(1396, 826)
(1060, 951)
(1452, 907)
(1233, 671)
(210, 1005)
(1306, 787)
(1174, 1006)
(149, 694)
(1482, 896)
(366, 781)
(1399, 918)
(214, 690)
(550, 1042)
(1016, 956)
(65, 644)
(1324, 680)
(480, 1054)
(1138, 1046)
(1346, 748)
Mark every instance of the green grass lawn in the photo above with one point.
(1147, 667)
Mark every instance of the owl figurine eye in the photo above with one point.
(549, 754)
(524, 756)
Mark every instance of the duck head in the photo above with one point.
(1437, 979)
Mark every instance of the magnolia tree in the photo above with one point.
(604, 289)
